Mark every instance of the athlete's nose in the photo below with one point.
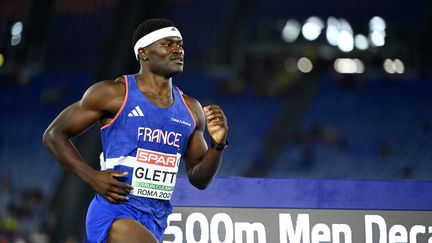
(178, 49)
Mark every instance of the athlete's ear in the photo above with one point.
(142, 53)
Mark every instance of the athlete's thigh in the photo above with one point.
(129, 231)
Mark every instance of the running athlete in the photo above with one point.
(147, 127)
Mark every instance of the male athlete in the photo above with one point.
(147, 127)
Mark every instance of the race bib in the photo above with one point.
(155, 174)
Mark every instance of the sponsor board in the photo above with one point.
(257, 210)
(260, 225)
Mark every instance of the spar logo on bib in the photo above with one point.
(154, 174)
(157, 158)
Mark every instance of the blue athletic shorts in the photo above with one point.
(101, 214)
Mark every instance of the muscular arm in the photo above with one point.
(202, 163)
(98, 103)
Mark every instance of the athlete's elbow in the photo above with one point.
(48, 137)
(200, 186)
(196, 180)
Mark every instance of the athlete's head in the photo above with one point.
(158, 43)
(151, 31)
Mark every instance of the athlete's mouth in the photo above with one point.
(177, 59)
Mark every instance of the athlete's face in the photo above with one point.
(166, 56)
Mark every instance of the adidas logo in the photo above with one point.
(173, 29)
(136, 112)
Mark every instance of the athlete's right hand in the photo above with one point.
(104, 183)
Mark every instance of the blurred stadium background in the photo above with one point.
(312, 89)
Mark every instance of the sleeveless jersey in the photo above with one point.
(147, 141)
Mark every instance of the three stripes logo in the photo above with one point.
(136, 112)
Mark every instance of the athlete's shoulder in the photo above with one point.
(107, 87)
(195, 108)
(190, 101)
(103, 92)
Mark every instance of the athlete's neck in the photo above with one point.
(156, 88)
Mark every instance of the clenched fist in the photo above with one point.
(217, 124)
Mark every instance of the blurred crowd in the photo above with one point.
(19, 213)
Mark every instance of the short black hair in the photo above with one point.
(148, 26)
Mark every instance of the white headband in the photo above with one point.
(155, 36)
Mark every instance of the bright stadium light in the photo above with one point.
(345, 25)
(377, 38)
(304, 65)
(15, 40)
(291, 30)
(377, 31)
(360, 65)
(345, 41)
(17, 28)
(348, 65)
(16, 32)
(361, 42)
(312, 28)
(332, 31)
(398, 66)
(377, 24)
(388, 66)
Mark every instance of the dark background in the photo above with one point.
(284, 122)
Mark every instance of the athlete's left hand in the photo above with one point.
(217, 124)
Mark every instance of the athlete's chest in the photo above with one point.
(159, 101)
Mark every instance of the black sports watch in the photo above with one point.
(219, 146)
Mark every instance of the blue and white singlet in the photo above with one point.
(147, 141)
